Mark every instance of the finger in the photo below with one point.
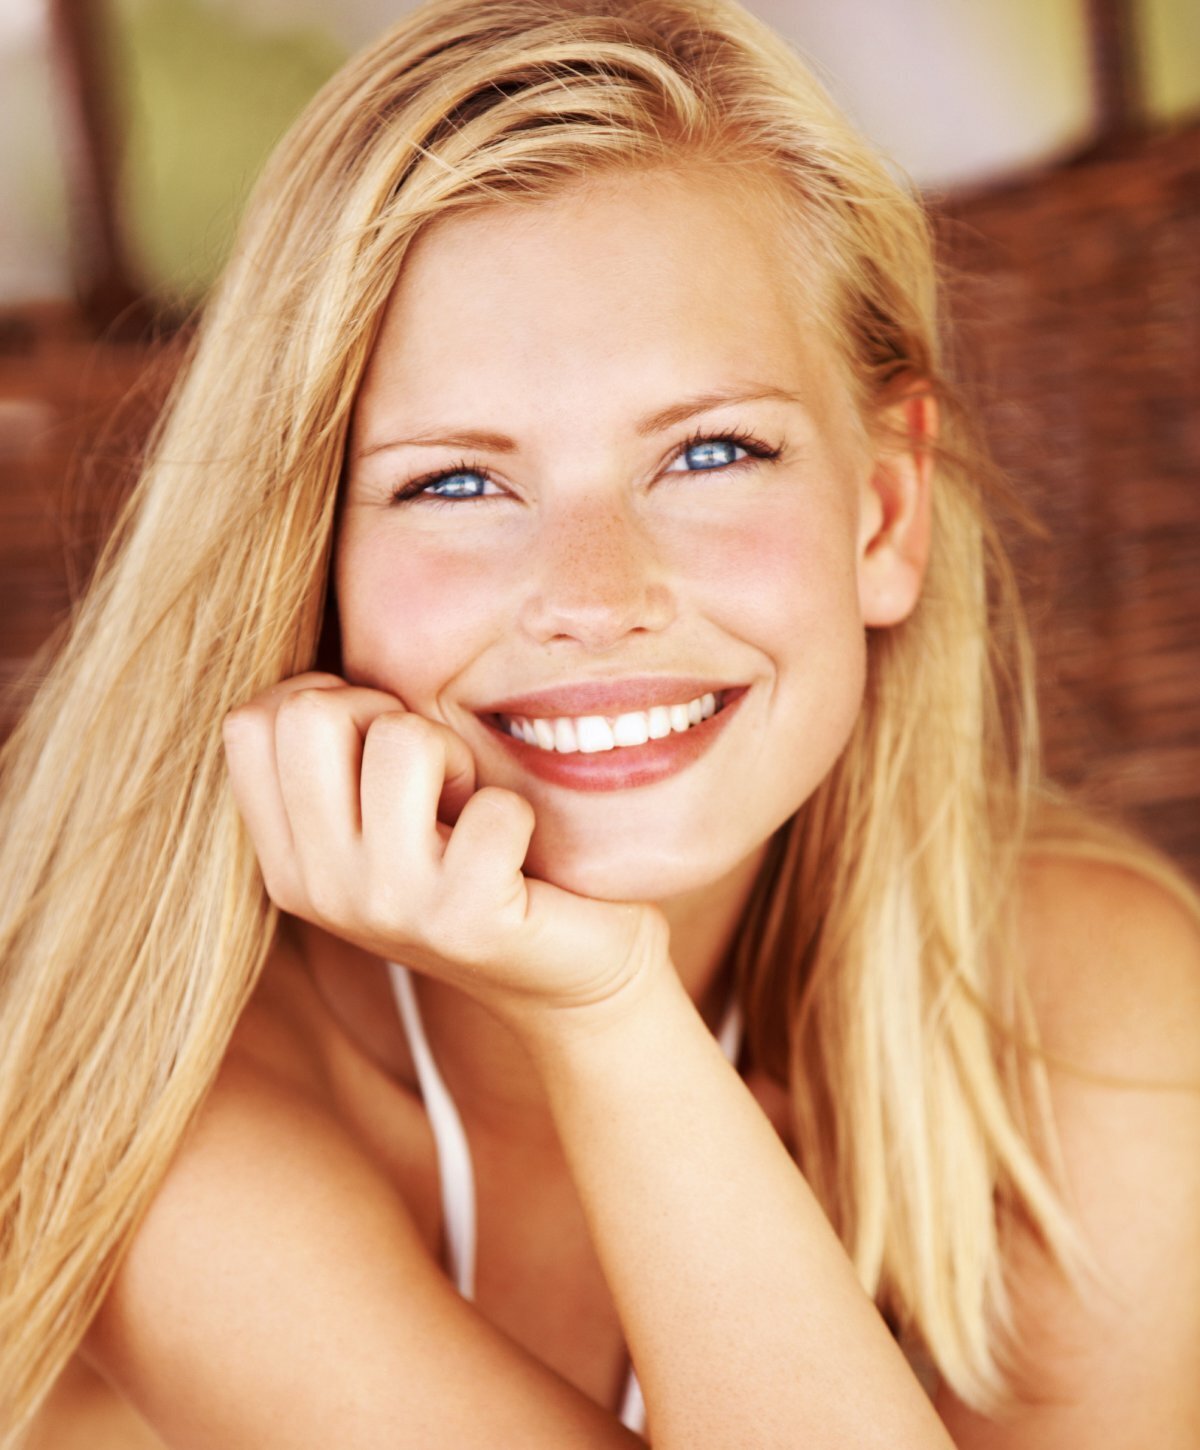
(318, 740)
(251, 755)
(250, 758)
(458, 782)
(365, 705)
(317, 749)
(403, 771)
(415, 773)
(308, 680)
(484, 856)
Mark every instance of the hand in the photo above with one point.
(367, 822)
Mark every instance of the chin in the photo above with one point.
(630, 872)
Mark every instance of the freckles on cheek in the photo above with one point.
(408, 611)
(771, 567)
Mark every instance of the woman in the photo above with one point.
(573, 402)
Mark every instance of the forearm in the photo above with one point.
(744, 1317)
(742, 1312)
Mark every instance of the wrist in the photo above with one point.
(608, 1004)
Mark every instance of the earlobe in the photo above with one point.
(897, 512)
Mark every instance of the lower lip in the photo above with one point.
(626, 766)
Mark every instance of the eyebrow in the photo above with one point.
(653, 423)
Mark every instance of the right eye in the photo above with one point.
(456, 483)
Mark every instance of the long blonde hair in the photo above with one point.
(133, 920)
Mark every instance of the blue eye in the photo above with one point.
(462, 483)
(710, 453)
(703, 453)
(707, 453)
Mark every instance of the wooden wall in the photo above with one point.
(1079, 294)
(72, 416)
(1080, 297)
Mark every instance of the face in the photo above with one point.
(608, 513)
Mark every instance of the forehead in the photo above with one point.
(615, 282)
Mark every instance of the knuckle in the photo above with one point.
(303, 705)
(296, 684)
(301, 716)
(398, 725)
(396, 734)
(506, 806)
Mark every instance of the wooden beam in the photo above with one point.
(1116, 72)
(103, 274)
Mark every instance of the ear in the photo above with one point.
(895, 519)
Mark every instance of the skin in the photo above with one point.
(630, 565)
(570, 944)
(760, 575)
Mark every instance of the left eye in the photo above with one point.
(708, 453)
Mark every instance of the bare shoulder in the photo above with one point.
(278, 1294)
(229, 1276)
(1112, 959)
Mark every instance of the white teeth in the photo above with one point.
(592, 734)
(631, 729)
(660, 722)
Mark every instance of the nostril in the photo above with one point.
(597, 610)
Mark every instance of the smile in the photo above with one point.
(621, 748)
(595, 734)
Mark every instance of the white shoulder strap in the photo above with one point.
(455, 1172)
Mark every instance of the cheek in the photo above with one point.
(411, 615)
(783, 580)
(785, 572)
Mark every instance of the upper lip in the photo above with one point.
(607, 697)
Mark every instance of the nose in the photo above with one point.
(596, 578)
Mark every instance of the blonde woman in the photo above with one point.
(531, 918)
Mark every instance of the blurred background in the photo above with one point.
(1058, 142)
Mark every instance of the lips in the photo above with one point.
(605, 742)
(607, 697)
(594, 734)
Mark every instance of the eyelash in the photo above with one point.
(755, 447)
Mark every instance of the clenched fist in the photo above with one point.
(367, 822)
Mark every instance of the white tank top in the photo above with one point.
(456, 1174)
